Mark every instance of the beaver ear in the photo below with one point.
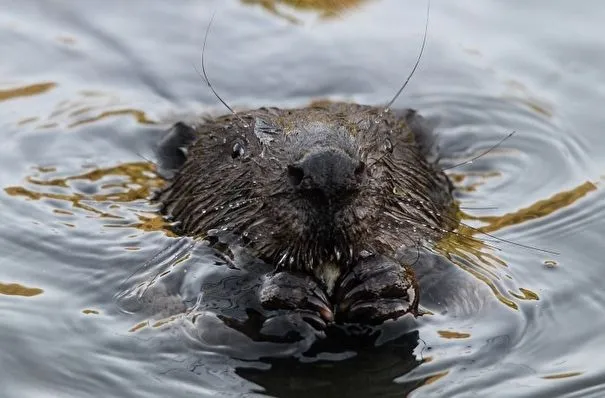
(172, 149)
(424, 133)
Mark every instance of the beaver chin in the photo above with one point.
(326, 257)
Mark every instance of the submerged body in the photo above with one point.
(332, 195)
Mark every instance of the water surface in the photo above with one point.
(88, 87)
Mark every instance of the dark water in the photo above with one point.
(87, 87)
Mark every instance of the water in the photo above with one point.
(87, 88)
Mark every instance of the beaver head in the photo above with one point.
(311, 189)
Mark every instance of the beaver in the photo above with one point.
(333, 195)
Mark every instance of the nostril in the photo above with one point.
(360, 170)
(295, 174)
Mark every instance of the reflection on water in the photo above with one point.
(326, 8)
(14, 289)
(448, 334)
(34, 89)
(120, 184)
(139, 116)
(541, 208)
(87, 90)
(468, 247)
(562, 375)
(369, 373)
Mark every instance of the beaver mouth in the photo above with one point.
(323, 231)
(316, 248)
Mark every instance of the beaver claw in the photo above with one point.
(299, 293)
(375, 290)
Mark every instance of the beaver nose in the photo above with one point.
(330, 171)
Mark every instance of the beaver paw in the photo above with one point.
(375, 290)
(298, 293)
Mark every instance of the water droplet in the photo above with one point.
(387, 146)
(283, 258)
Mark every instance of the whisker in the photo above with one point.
(510, 242)
(470, 161)
(497, 239)
(418, 224)
(231, 191)
(145, 158)
(407, 80)
(204, 75)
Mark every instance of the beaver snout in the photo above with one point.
(330, 172)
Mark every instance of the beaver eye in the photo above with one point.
(238, 150)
